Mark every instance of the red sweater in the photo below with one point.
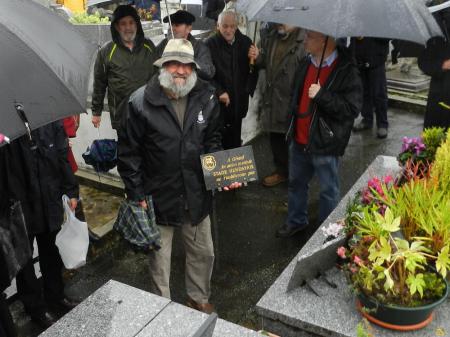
(302, 126)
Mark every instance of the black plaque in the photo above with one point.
(223, 168)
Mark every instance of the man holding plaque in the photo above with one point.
(171, 122)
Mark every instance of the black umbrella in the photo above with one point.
(44, 67)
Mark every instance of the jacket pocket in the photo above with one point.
(326, 134)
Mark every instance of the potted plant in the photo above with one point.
(397, 256)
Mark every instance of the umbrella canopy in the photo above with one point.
(44, 66)
(400, 19)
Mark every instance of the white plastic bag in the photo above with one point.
(73, 239)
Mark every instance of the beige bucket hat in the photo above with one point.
(179, 50)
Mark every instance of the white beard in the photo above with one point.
(166, 80)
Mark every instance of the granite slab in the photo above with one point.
(175, 320)
(322, 305)
(228, 329)
(114, 310)
(119, 310)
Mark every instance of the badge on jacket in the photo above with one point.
(200, 119)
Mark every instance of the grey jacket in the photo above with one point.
(277, 94)
(202, 56)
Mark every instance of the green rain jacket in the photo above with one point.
(121, 71)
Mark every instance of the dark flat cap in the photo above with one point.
(180, 16)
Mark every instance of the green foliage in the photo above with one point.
(363, 329)
(399, 234)
(433, 138)
(441, 167)
(84, 18)
(443, 261)
(390, 268)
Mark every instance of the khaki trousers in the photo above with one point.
(199, 250)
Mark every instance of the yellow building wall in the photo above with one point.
(76, 6)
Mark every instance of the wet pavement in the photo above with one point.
(248, 256)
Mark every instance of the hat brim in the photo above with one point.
(185, 60)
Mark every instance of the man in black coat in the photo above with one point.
(231, 52)
(371, 54)
(182, 27)
(214, 8)
(171, 122)
(327, 98)
(435, 62)
(38, 174)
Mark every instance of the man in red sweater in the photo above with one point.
(325, 104)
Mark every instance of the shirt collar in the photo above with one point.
(326, 62)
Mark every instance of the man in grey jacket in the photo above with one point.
(280, 56)
(182, 26)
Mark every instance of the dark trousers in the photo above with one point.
(231, 134)
(375, 95)
(31, 293)
(7, 327)
(302, 168)
(280, 152)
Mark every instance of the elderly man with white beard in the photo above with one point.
(171, 122)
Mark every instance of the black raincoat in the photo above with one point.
(337, 103)
(430, 62)
(38, 175)
(158, 158)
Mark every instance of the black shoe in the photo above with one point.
(64, 304)
(44, 319)
(286, 232)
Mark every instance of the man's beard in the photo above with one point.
(167, 81)
(128, 37)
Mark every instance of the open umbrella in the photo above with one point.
(44, 67)
(399, 19)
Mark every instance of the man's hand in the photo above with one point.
(446, 65)
(225, 99)
(233, 186)
(313, 90)
(253, 52)
(73, 202)
(143, 204)
(96, 121)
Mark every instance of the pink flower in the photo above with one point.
(388, 179)
(341, 252)
(358, 260)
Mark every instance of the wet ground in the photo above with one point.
(98, 206)
(248, 256)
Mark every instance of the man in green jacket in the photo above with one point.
(122, 66)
